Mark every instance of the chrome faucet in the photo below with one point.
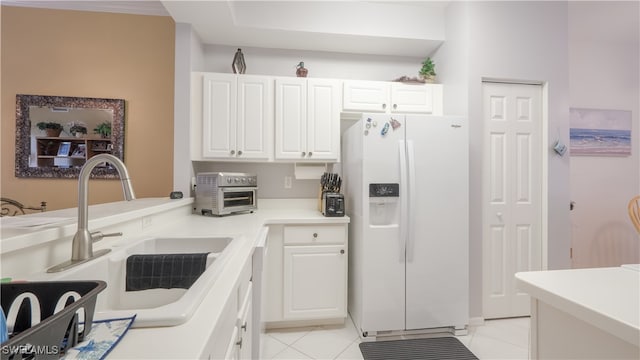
(82, 246)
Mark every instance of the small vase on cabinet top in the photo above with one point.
(301, 71)
(238, 65)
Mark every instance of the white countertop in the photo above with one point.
(608, 298)
(186, 340)
(101, 215)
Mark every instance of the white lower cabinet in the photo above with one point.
(306, 273)
(232, 337)
(245, 327)
(314, 281)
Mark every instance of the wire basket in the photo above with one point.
(44, 319)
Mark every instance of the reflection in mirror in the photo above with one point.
(55, 135)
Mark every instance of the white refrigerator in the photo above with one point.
(406, 186)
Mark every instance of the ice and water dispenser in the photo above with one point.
(383, 204)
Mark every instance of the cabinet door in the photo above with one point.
(424, 99)
(255, 118)
(219, 115)
(315, 282)
(371, 96)
(245, 326)
(323, 119)
(232, 352)
(291, 119)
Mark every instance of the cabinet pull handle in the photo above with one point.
(304, 153)
(315, 235)
(239, 152)
(239, 343)
(233, 152)
(244, 326)
(342, 251)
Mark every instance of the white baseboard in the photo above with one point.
(476, 321)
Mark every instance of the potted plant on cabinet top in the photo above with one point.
(428, 70)
(53, 129)
(103, 129)
(77, 129)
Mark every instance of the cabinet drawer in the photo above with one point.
(314, 234)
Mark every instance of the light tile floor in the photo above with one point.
(495, 339)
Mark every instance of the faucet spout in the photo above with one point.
(82, 246)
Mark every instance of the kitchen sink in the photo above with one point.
(154, 307)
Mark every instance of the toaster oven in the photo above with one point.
(222, 193)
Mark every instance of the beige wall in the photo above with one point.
(91, 54)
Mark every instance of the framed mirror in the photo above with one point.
(55, 135)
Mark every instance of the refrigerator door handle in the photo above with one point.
(410, 201)
(403, 200)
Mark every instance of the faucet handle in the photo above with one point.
(98, 235)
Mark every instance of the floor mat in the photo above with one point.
(442, 348)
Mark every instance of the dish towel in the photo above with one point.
(103, 337)
(165, 271)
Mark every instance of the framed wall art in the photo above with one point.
(596, 132)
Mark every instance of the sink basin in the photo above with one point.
(154, 307)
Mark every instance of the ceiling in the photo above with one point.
(404, 28)
(400, 28)
(127, 7)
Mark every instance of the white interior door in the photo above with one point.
(512, 183)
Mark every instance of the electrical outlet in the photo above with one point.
(287, 182)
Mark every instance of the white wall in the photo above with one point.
(452, 60)
(604, 74)
(262, 61)
(520, 41)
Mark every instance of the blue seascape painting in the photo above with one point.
(600, 132)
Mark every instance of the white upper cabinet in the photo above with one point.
(307, 119)
(392, 97)
(237, 117)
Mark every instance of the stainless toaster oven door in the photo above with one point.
(238, 198)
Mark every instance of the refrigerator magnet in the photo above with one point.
(385, 129)
(395, 123)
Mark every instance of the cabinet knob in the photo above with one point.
(384, 106)
(315, 235)
(395, 106)
(233, 152)
(342, 251)
(239, 343)
(310, 153)
(304, 153)
(239, 152)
